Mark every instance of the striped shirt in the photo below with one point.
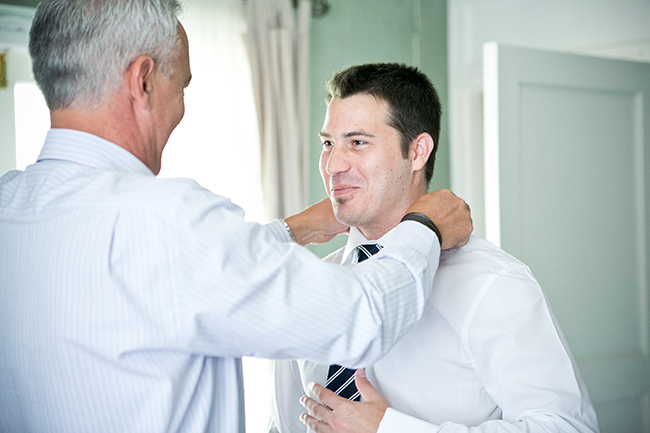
(127, 301)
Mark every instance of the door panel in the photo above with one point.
(567, 193)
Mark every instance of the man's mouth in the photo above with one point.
(342, 190)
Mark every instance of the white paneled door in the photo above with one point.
(567, 148)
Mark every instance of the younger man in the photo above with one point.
(487, 353)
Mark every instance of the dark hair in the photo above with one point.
(414, 105)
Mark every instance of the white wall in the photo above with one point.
(616, 28)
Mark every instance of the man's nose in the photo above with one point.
(337, 161)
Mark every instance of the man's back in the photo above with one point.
(88, 332)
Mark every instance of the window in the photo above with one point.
(217, 142)
(32, 123)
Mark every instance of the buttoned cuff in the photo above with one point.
(277, 229)
(419, 248)
(419, 236)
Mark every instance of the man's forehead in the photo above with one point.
(353, 110)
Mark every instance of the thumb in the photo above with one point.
(367, 391)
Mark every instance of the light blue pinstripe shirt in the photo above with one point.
(126, 301)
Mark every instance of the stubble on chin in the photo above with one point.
(336, 202)
(343, 215)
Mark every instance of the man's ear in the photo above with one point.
(140, 77)
(421, 148)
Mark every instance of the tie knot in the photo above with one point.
(365, 251)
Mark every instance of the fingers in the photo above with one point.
(315, 409)
(326, 396)
(340, 415)
(449, 213)
(315, 424)
(321, 413)
(468, 229)
(367, 391)
(457, 222)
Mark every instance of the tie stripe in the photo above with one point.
(347, 382)
(366, 251)
(341, 379)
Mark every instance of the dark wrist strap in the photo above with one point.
(423, 219)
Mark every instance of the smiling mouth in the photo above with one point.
(341, 190)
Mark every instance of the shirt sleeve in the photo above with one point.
(523, 362)
(240, 292)
(276, 228)
(394, 421)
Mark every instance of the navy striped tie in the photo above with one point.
(341, 379)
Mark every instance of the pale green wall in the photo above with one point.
(25, 3)
(363, 31)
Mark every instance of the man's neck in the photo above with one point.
(114, 125)
(375, 232)
(390, 222)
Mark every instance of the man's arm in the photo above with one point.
(449, 213)
(241, 292)
(316, 224)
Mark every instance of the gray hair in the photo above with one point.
(80, 49)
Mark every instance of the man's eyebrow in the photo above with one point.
(359, 133)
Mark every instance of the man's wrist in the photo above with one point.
(425, 220)
(288, 229)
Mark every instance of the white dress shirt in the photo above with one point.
(487, 356)
(126, 301)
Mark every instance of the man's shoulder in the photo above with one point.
(481, 271)
(481, 255)
(159, 190)
(478, 268)
(133, 191)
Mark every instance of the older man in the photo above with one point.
(126, 300)
(487, 355)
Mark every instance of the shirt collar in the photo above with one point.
(88, 149)
(356, 238)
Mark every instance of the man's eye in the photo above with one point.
(327, 143)
(358, 142)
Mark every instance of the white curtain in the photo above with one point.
(217, 143)
(278, 45)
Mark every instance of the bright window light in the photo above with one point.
(217, 141)
(32, 123)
